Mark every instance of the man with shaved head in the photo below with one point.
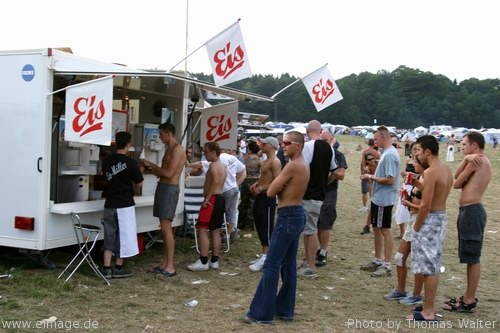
(385, 184)
(318, 154)
(328, 213)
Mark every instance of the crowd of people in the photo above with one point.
(294, 179)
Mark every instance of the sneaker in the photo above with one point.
(106, 272)
(254, 261)
(370, 267)
(247, 320)
(411, 299)
(257, 266)
(303, 265)
(320, 259)
(363, 210)
(307, 272)
(382, 271)
(198, 266)
(394, 295)
(366, 230)
(213, 265)
(119, 273)
(234, 235)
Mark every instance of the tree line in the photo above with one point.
(405, 98)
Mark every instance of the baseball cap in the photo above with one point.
(270, 140)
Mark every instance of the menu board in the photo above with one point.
(119, 122)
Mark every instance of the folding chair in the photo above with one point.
(86, 238)
(193, 199)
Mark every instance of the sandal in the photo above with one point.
(452, 300)
(459, 305)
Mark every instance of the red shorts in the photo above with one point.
(211, 215)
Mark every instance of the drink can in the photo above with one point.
(409, 177)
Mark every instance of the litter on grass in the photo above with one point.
(199, 281)
(191, 303)
(51, 319)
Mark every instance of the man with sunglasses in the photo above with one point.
(289, 186)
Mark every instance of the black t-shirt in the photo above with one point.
(121, 172)
(341, 163)
(320, 169)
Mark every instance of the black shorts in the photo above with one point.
(381, 216)
(470, 224)
(328, 212)
(111, 239)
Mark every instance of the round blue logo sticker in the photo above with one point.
(28, 73)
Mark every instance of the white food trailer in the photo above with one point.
(46, 178)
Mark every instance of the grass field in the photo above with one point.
(341, 299)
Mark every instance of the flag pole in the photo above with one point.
(315, 70)
(187, 35)
(291, 84)
(288, 86)
(81, 84)
(190, 54)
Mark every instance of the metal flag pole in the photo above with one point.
(190, 54)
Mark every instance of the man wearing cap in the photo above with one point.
(264, 207)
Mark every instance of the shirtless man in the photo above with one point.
(264, 207)
(290, 186)
(472, 176)
(431, 223)
(211, 215)
(167, 193)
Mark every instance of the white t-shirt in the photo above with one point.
(233, 167)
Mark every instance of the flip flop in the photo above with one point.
(417, 316)
(166, 273)
(156, 269)
(419, 308)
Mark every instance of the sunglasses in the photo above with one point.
(287, 143)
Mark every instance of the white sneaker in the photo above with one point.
(257, 266)
(198, 266)
(214, 265)
(254, 261)
(363, 210)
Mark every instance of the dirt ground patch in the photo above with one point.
(341, 299)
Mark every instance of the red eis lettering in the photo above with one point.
(228, 61)
(219, 128)
(322, 91)
(88, 115)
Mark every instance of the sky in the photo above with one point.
(456, 38)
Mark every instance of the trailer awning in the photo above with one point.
(69, 64)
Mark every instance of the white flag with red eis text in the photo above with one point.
(322, 88)
(89, 112)
(228, 56)
(219, 123)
